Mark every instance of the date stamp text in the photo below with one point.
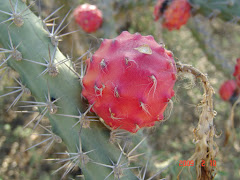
(191, 163)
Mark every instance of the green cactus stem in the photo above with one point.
(227, 10)
(47, 73)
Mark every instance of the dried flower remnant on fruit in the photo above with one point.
(89, 17)
(174, 13)
(136, 81)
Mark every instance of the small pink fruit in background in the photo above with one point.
(175, 13)
(130, 81)
(227, 89)
(88, 16)
(236, 73)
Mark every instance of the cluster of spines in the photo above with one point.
(50, 105)
(17, 20)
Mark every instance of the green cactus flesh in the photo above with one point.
(35, 45)
(227, 10)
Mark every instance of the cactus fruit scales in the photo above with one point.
(89, 17)
(175, 13)
(129, 81)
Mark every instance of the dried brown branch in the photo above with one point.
(206, 149)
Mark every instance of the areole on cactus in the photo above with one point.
(129, 80)
(62, 90)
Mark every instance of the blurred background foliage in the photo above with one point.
(207, 43)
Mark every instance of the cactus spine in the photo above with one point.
(45, 71)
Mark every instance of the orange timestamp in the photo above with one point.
(191, 163)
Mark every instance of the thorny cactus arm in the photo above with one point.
(56, 89)
(227, 10)
(45, 71)
(213, 56)
(129, 4)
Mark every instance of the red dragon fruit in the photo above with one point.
(174, 13)
(88, 16)
(227, 89)
(129, 80)
(236, 73)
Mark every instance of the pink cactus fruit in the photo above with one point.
(130, 81)
(175, 13)
(227, 89)
(236, 73)
(89, 17)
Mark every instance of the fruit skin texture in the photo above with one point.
(236, 73)
(227, 89)
(89, 17)
(174, 13)
(130, 81)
